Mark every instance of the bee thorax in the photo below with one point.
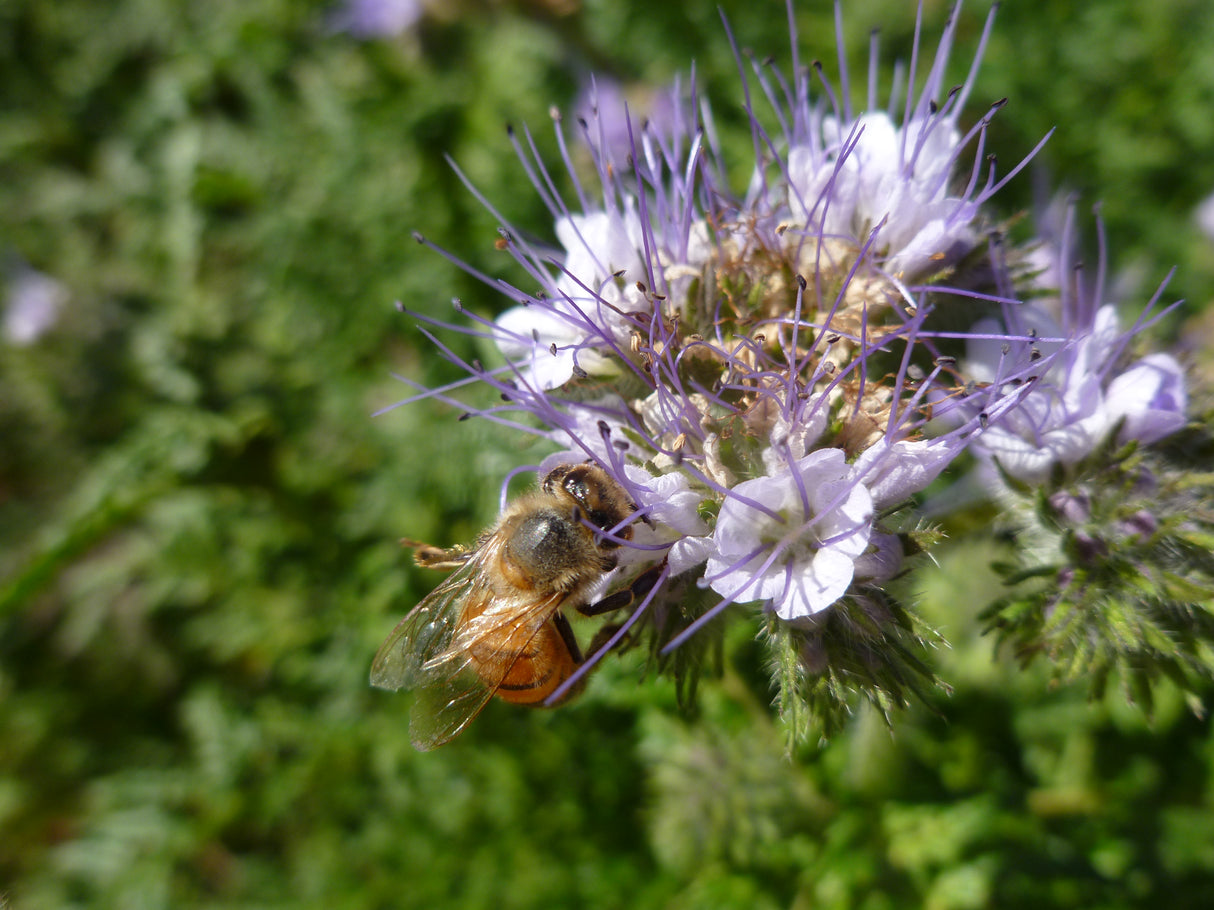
(542, 548)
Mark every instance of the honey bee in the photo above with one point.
(496, 626)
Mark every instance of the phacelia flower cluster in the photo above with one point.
(774, 375)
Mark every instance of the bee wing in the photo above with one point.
(454, 692)
(426, 633)
(441, 712)
(431, 652)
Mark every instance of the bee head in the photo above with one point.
(595, 494)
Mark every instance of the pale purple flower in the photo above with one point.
(895, 177)
(1150, 397)
(1084, 387)
(32, 306)
(605, 260)
(612, 120)
(894, 472)
(377, 18)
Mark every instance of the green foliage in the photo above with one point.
(198, 517)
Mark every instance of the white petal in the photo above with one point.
(894, 473)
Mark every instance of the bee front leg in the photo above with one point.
(625, 597)
(640, 586)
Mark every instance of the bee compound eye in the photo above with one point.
(576, 486)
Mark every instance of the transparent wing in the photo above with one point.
(426, 633)
(455, 691)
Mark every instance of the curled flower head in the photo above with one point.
(758, 401)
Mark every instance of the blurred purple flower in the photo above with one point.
(377, 18)
(32, 306)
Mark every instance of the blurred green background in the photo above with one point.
(199, 518)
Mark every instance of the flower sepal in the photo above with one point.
(865, 648)
(1112, 577)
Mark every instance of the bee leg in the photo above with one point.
(429, 556)
(567, 636)
(608, 604)
(625, 597)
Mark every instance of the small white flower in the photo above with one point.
(803, 560)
